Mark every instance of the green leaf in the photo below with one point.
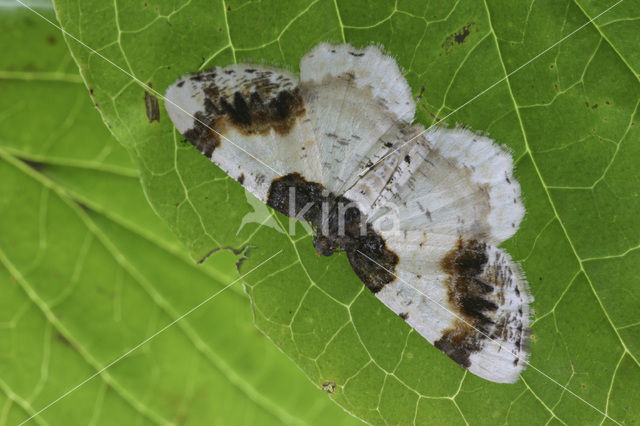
(88, 271)
(569, 117)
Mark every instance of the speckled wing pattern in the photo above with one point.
(342, 133)
(250, 121)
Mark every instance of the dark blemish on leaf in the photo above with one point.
(461, 35)
(328, 387)
(62, 339)
(232, 249)
(357, 54)
(367, 251)
(457, 38)
(587, 104)
(388, 144)
(180, 84)
(432, 115)
(151, 106)
(51, 39)
(594, 106)
(35, 165)
(607, 102)
(241, 179)
(407, 159)
(228, 8)
(83, 206)
(419, 98)
(91, 91)
(404, 315)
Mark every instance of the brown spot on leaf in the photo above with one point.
(35, 165)
(328, 387)
(151, 106)
(457, 38)
(62, 339)
(419, 98)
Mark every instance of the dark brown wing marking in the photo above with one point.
(255, 105)
(466, 293)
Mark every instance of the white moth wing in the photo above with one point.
(249, 120)
(370, 69)
(492, 166)
(355, 99)
(478, 317)
(448, 181)
(434, 212)
(422, 190)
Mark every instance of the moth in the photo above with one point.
(420, 214)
